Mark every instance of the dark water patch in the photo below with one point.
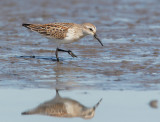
(38, 57)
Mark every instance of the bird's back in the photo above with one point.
(51, 30)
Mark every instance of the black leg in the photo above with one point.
(69, 52)
(57, 55)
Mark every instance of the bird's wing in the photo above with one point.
(51, 30)
(57, 109)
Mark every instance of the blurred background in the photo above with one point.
(126, 70)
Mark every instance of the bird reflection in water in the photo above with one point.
(63, 107)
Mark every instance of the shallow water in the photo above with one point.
(115, 106)
(128, 62)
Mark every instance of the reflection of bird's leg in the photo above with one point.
(57, 93)
(69, 52)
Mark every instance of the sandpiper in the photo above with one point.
(64, 33)
(63, 107)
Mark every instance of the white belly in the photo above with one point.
(72, 36)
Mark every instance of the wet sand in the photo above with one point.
(128, 62)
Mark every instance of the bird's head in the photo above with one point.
(90, 29)
(89, 112)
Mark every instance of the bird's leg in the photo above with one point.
(57, 55)
(69, 52)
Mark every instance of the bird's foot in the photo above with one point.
(57, 59)
(71, 53)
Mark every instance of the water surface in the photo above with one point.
(125, 72)
(115, 106)
(128, 29)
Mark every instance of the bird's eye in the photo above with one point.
(90, 29)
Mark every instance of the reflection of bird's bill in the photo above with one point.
(95, 36)
(97, 104)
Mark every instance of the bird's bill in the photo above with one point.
(97, 104)
(95, 36)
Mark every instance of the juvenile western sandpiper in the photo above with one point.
(63, 107)
(64, 33)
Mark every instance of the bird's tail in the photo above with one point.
(25, 113)
(35, 27)
(26, 25)
(28, 112)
